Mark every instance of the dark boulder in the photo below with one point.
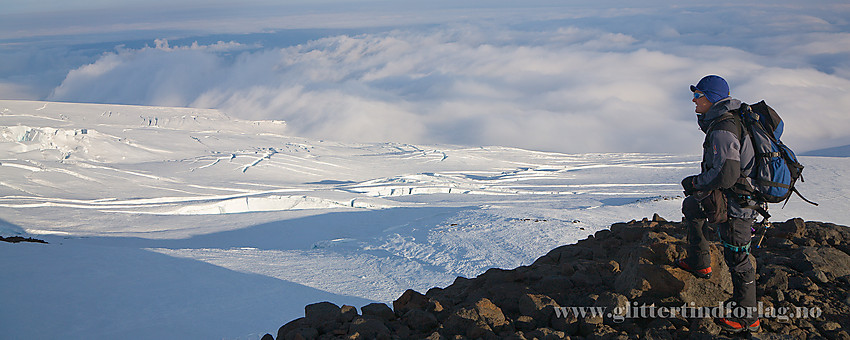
(378, 310)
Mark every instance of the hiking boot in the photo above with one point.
(739, 326)
(704, 273)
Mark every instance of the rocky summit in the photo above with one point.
(620, 283)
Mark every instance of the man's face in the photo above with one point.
(702, 103)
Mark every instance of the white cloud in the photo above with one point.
(221, 46)
(567, 89)
(544, 75)
(16, 91)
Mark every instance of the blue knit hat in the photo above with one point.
(714, 87)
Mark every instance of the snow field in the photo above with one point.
(168, 222)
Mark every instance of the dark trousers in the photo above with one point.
(736, 232)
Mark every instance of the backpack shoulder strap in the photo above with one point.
(736, 128)
(733, 121)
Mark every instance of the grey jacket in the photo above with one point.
(725, 157)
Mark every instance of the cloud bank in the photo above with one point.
(611, 81)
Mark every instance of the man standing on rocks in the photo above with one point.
(728, 158)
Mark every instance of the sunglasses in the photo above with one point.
(697, 95)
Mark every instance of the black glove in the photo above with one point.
(688, 185)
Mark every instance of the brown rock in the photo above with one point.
(801, 284)
(817, 276)
(664, 252)
(830, 326)
(591, 273)
(538, 272)
(462, 320)
(705, 326)
(652, 333)
(290, 326)
(19, 239)
(775, 278)
(434, 306)
(497, 275)
(545, 333)
(378, 310)
(480, 330)
(589, 324)
(824, 234)
(614, 304)
(586, 278)
(797, 333)
(651, 279)
(539, 307)
(839, 335)
(490, 313)
(369, 328)
(793, 228)
(525, 323)
(323, 316)
(420, 320)
(565, 322)
(347, 313)
(628, 232)
(319, 313)
(436, 336)
(553, 284)
(602, 234)
(830, 261)
(301, 334)
(399, 329)
(614, 266)
(410, 299)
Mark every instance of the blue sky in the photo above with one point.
(586, 76)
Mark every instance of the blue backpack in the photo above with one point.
(777, 168)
